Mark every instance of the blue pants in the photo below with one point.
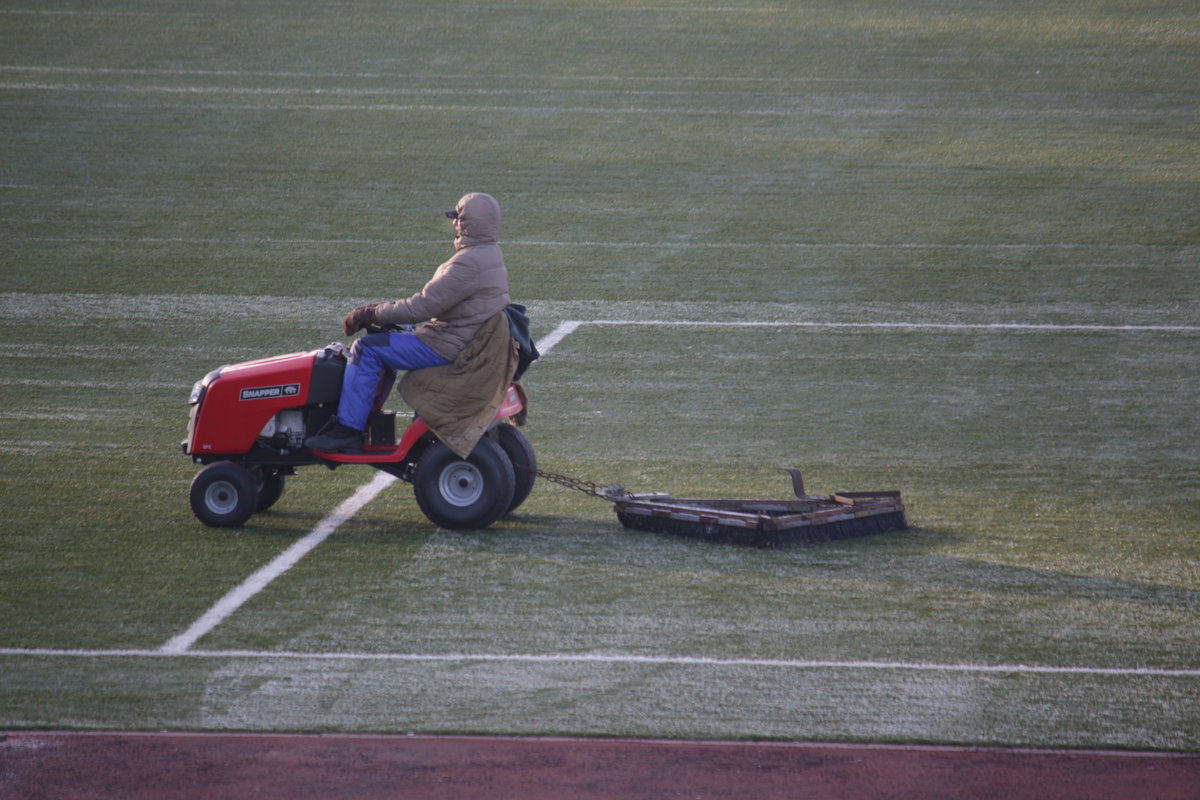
(371, 371)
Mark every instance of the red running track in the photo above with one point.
(162, 766)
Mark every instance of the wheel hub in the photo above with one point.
(461, 484)
(221, 497)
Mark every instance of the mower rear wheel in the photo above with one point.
(520, 452)
(464, 494)
(224, 495)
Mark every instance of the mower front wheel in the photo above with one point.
(224, 495)
(464, 494)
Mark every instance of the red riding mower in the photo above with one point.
(249, 421)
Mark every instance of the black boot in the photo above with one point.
(336, 438)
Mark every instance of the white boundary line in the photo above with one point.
(564, 329)
(936, 326)
(302, 102)
(613, 659)
(659, 245)
(673, 80)
(522, 91)
(281, 564)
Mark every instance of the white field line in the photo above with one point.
(603, 659)
(936, 326)
(345, 91)
(66, 383)
(281, 564)
(673, 80)
(564, 329)
(411, 108)
(290, 557)
(583, 85)
(33, 447)
(657, 245)
(464, 9)
(524, 91)
(339, 94)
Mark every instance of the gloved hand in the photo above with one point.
(358, 319)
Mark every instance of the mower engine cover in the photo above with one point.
(231, 406)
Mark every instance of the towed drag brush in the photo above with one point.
(765, 523)
(761, 523)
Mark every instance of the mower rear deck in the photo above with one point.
(765, 523)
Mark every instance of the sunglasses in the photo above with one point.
(452, 213)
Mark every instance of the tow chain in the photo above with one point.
(611, 493)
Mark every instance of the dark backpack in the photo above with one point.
(518, 326)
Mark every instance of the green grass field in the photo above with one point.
(942, 247)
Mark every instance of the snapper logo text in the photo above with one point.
(268, 392)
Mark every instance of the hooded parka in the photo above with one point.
(465, 291)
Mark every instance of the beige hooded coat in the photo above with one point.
(465, 291)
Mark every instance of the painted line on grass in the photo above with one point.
(523, 77)
(281, 564)
(564, 329)
(338, 96)
(623, 92)
(602, 659)
(552, 243)
(570, 326)
(947, 326)
(48, 383)
(516, 91)
(345, 91)
(464, 9)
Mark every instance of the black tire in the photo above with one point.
(224, 495)
(520, 452)
(464, 494)
(269, 491)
